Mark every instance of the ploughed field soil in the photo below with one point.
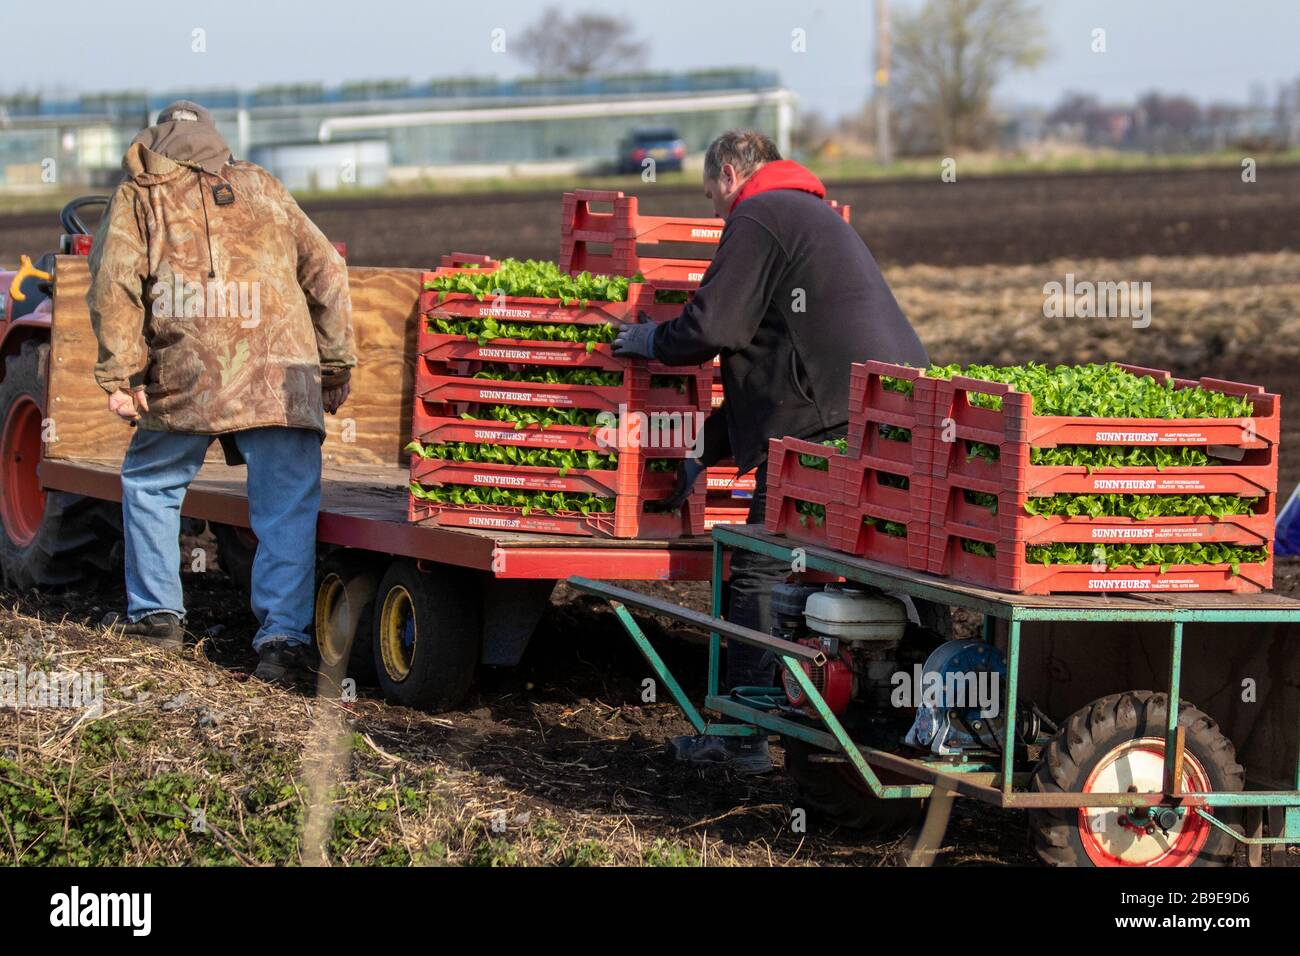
(560, 760)
(1004, 219)
(1228, 317)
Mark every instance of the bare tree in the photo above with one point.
(950, 54)
(580, 44)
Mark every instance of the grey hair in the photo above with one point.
(745, 149)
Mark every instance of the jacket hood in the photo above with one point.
(186, 133)
(780, 174)
(147, 168)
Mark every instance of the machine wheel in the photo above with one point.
(345, 610)
(236, 548)
(53, 539)
(426, 635)
(1117, 744)
(834, 792)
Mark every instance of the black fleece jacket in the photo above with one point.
(791, 299)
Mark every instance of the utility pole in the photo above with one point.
(884, 146)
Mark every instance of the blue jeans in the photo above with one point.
(283, 502)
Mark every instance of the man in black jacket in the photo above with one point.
(791, 299)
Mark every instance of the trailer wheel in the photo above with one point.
(426, 635)
(1117, 744)
(236, 548)
(345, 610)
(834, 792)
(53, 539)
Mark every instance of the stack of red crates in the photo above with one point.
(882, 481)
(449, 403)
(960, 477)
(607, 240)
(874, 494)
(962, 454)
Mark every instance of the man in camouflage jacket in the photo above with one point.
(221, 312)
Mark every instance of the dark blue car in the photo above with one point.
(664, 146)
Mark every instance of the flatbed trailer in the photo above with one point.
(1003, 780)
(464, 597)
(364, 507)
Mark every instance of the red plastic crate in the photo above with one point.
(1009, 570)
(789, 482)
(725, 478)
(441, 383)
(630, 477)
(724, 511)
(861, 491)
(872, 407)
(622, 228)
(786, 470)
(640, 300)
(952, 511)
(628, 520)
(1016, 424)
(721, 506)
(782, 516)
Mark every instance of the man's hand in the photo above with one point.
(128, 405)
(636, 339)
(333, 396)
(688, 473)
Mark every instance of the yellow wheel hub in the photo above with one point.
(397, 633)
(331, 644)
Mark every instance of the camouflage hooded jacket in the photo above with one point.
(219, 296)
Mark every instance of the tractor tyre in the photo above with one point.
(52, 539)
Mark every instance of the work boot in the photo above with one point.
(741, 754)
(159, 629)
(287, 663)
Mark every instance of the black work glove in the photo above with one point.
(636, 339)
(688, 473)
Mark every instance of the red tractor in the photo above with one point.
(53, 538)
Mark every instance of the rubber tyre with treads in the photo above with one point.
(426, 634)
(1095, 732)
(832, 792)
(343, 565)
(78, 540)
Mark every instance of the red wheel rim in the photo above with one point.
(22, 500)
(1111, 839)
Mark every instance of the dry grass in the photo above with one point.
(280, 778)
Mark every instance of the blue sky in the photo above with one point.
(1212, 49)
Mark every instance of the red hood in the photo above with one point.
(780, 174)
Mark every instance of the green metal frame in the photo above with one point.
(749, 709)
